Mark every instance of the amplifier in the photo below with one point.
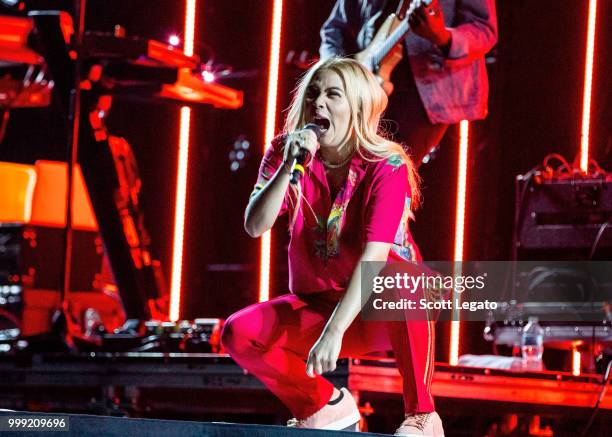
(11, 290)
(571, 215)
(32, 257)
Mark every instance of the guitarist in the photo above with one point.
(441, 78)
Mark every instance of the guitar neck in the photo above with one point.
(392, 40)
(399, 32)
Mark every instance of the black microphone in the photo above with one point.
(303, 157)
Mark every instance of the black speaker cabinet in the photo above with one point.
(563, 218)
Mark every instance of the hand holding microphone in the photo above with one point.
(300, 147)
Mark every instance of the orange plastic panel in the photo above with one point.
(192, 88)
(49, 203)
(17, 182)
(14, 33)
(15, 30)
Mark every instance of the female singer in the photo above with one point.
(352, 205)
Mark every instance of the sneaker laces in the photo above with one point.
(295, 423)
(417, 420)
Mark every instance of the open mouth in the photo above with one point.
(322, 122)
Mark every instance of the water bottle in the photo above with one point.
(532, 345)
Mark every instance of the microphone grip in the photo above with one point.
(304, 156)
(298, 167)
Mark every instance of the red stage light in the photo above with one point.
(588, 84)
(180, 204)
(459, 234)
(576, 362)
(190, 17)
(270, 128)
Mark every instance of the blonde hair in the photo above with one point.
(367, 102)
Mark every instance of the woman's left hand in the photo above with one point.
(324, 354)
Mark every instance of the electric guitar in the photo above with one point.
(383, 54)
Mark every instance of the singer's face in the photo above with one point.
(327, 106)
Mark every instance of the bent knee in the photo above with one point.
(229, 336)
(237, 334)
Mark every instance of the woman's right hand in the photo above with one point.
(296, 140)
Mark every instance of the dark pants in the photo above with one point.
(406, 119)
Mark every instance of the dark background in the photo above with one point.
(535, 109)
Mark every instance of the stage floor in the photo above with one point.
(212, 387)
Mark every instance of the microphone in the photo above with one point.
(303, 157)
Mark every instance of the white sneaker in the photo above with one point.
(342, 415)
(421, 425)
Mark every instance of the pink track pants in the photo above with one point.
(272, 341)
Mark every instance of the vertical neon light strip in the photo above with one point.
(273, 68)
(588, 83)
(181, 177)
(575, 362)
(459, 235)
(190, 17)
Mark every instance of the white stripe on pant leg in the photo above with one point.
(427, 362)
